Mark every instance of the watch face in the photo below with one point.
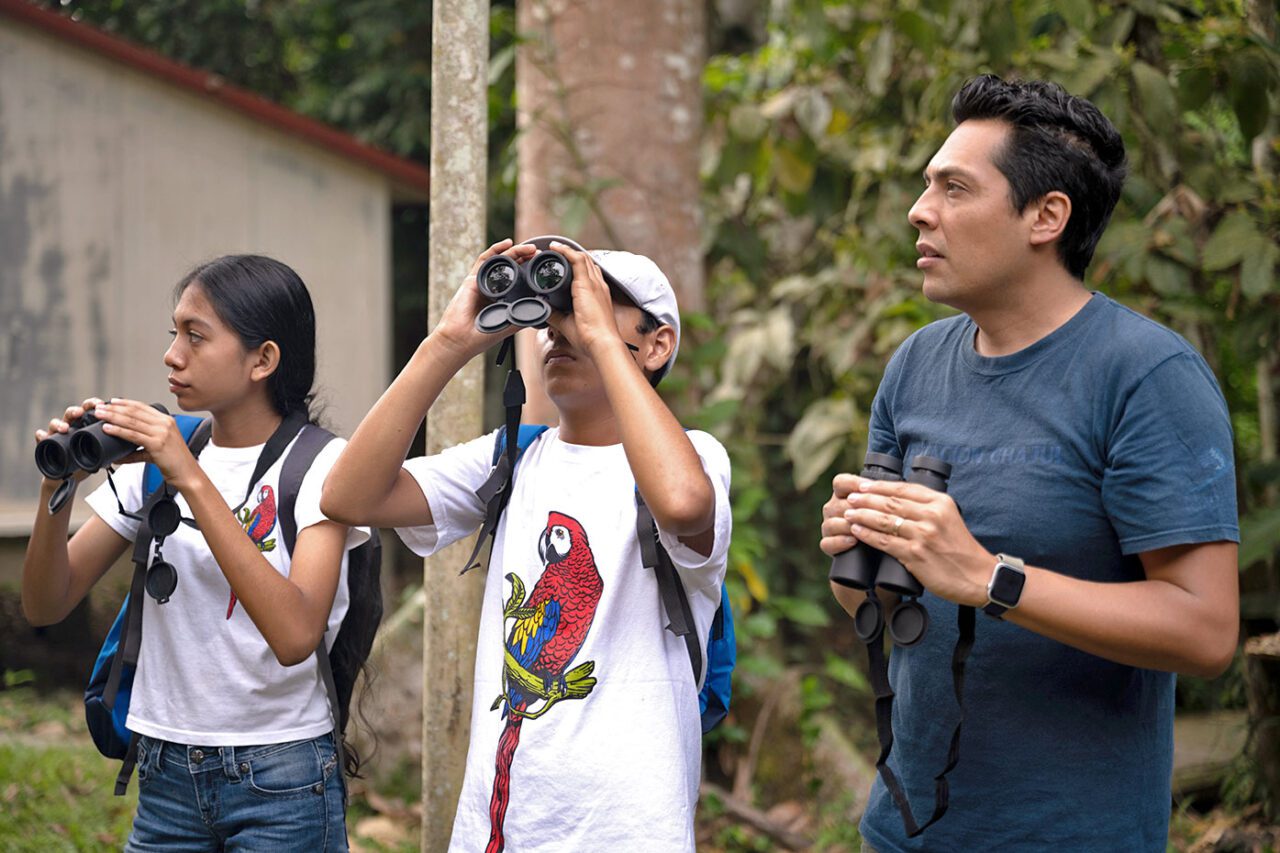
(1006, 585)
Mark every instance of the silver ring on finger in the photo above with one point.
(897, 525)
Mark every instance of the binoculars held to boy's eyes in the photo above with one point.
(524, 294)
(863, 567)
(85, 448)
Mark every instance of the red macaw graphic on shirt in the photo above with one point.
(258, 523)
(548, 632)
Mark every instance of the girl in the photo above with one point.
(236, 747)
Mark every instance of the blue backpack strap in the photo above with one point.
(495, 491)
(151, 476)
(527, 434)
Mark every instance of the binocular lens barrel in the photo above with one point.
(857, 567)
(893, 576)
(497, 277)
(92, 449)
(549, 272)
(53, 457)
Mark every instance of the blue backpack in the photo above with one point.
(106, 697)
(722, 654)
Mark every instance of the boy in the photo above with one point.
(593, 739)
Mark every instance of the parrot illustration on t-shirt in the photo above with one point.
(549, 630)
(258, 523)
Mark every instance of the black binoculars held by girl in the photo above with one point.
(863, 567)
(524, 294)
(85, 448)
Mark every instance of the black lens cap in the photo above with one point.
(164, 517)
(530, 311)
(161, 581)
(868, 621)
(494, 318)
(908, 622)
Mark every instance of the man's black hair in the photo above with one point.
(1058, 142)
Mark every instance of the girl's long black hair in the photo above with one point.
(261, 300)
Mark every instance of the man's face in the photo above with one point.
(568, 375)
(972, 244)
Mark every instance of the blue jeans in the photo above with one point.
(281, 796)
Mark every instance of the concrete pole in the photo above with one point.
(459, 135)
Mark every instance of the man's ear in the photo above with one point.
(662, 344)
(264, 361)
(1049, 217)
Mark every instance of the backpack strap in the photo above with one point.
(675, 601)
(197, 433)
(310, 442)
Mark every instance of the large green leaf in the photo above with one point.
(1248, 76)
(819, 437)
(1258, 269)
(1235, 235)
(1160, 106)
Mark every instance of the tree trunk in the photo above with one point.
(459, 131)
(609, 99)
(1262, 679)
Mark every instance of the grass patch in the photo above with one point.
(58, 797)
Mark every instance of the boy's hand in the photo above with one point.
(457, 326)
(593, 324)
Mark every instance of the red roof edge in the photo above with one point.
(216, 88)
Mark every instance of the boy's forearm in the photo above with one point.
(667, 469)
(367, 469)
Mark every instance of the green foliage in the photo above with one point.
(814, 147)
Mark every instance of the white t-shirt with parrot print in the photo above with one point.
(205, 674)
(585, 727)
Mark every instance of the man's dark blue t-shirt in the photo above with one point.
(1103, 440)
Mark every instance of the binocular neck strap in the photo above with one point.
(496, 490)
(879, 669)
(273, 450)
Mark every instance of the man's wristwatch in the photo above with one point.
(1005, 587)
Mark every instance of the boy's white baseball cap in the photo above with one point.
(640, 279)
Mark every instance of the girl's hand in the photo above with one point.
(155, 432)
(457, 326)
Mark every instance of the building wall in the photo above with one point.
(112, 185)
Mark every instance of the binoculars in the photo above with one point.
(525, 294)
(865, 568)
(86, 447)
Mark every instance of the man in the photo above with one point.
(1092, 452)
(593, 741)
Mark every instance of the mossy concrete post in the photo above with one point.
(459, 135)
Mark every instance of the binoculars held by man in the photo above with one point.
(863, 567)
(524, 294)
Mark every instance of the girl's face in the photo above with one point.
(209, 368)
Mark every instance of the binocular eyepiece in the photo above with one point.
(863, 567)
(85, 448)
(524, 294)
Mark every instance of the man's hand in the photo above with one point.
(457, 327)
(923, 529)
(837, 535)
